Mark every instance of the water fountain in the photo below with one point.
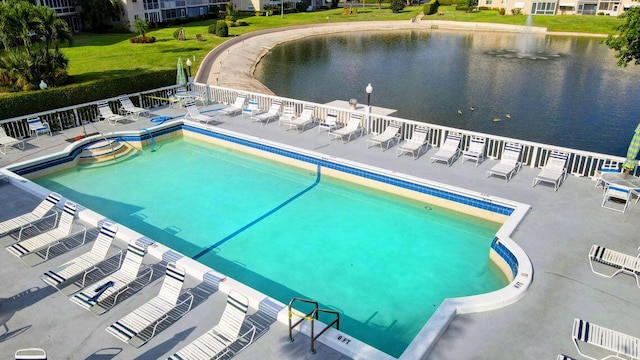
(528, 47)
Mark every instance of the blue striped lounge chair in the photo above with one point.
(141, 325)
(271, 114)
(217, 341)
(419, 140)
(62, 275)
(353, 128)
(475, 152)
(620, 262)
(509, 163)
(450, 150)
(386, 138)
(103, 295)
(621, 346)
(50, 238)
(38, 214)
(554, 171)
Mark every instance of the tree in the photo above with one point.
(471, 4)
(397, 5)
(627, 43)
(96, 14)
(141, 26)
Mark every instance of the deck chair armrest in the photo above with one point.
(33, 224)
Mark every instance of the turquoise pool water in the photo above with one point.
(385, 262)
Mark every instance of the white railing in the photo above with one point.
(580, 163)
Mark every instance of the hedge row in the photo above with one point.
(19, 104)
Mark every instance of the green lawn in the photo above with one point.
(93, 57)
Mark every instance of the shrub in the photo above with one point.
(516, 11)
(397, 6)
(222, 30)
(142, 40)
(24, 103)
(241, 23)
(431, 7)
(502, 11)
(212, 29)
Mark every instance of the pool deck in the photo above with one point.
(556, 234)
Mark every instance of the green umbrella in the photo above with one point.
(632, 152)
(181, 78)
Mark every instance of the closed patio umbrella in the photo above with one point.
(181, 78)
(632, 152)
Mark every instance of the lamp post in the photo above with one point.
(189, 67)
(369, 90)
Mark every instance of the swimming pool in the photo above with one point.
(264, 206)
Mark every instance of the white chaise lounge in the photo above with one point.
(353, 128)
(141, 325)
(271, 114)
(620, 262)
(554, 171)
(419, 140)
(475, 152)
(62, 275)
(127, 107)
(386, 138)
(38, 214)
(6, 141)
(216, 342)
(621, 346)
(50, 238)
(103, 295)
(509, 163)
(450, 150)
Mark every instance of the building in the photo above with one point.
(562, 7)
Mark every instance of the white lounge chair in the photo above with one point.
(49, 238)
(613, 192)
(329, 123)
(353, 127)
(450, 150)
(37, 127)
(271, 114)
(235, 108)
(127, 108)
(107, 114)
(252, 108)
(287, 115)
(386, 138)
(622, 346)
(103, 295)
(194, 114)
(37, 214)
(419, 140)
(6, 141)
(60, 276)
(216, 342)
(554, 170)
(509, 162)
(30, 354)
(134, 328)
(300, 122)
(475, 152)
(622, 263)
(564, 357)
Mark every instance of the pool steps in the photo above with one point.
(105, 151)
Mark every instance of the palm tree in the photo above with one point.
(141, 26)
(52, 29)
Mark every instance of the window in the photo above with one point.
(543, 8)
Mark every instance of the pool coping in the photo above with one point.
(504, 249)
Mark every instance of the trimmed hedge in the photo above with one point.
(25, 103)
(431, 7)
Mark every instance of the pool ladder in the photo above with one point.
(311, 316)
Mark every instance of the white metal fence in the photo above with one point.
(580, 163)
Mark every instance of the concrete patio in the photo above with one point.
(556, 234)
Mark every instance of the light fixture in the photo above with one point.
(189, 67)
(369, 90)
(43, 85)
